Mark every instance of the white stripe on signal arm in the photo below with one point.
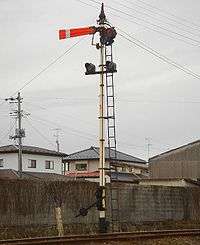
(68, 33)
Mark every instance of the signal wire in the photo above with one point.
(155, 53)
(152, 51)
(152, 17)
(167, 12)
(167, 17)
(150, 23)
(147, 27)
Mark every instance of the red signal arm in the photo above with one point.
(75, 32)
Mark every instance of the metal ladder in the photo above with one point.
(110, 101)
(111, 136)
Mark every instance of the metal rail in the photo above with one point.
(84, 239)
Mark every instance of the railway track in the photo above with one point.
(87, 239)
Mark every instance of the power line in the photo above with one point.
(159, 101)
(167, 17)
(152, 17)
(48, 66)
(42, 135)
(122, 142)
(150, 23)
(70, 130)
(8, 132)
(63, 114)
(123, 100)
(87, 4)
(152, 51)
(155, 53)
(45, 68)
(167, 12)
(147, 27)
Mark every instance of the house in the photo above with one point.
(182, 162)
(34, 159)
(84, 165)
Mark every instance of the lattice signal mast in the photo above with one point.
(107, 67)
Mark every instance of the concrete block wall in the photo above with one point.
(31, 203)
(141, 204)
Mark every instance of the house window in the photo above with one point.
(31, 163)
(1, 163)
(49, 164)
(81, 167)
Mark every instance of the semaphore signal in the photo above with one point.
(106, 69)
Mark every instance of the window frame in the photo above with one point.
(51, 164)
(30, 163)
(1, 162)
(79, 170)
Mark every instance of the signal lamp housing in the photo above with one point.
(111, 66)
(90, 68)
(107, 36)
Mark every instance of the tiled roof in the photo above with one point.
(30, 150)
(13, 174)
(93, 153)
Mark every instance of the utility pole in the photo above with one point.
(19, 132)
(148, 140)
(57, 130)
(19, 101)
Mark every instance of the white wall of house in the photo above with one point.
(10, 161)
(93, 165)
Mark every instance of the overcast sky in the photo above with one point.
(153, 99)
